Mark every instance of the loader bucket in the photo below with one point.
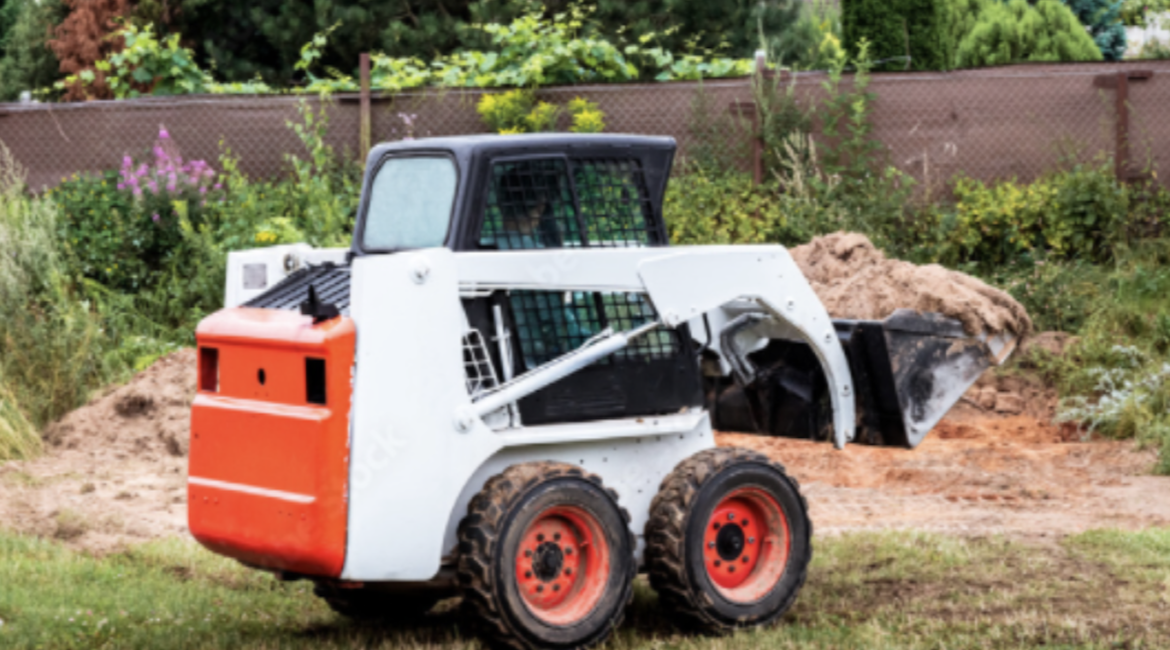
(910, 369)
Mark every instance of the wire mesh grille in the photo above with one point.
(530, 205)
(550, 324)
(614, 202)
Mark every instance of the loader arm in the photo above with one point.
(684, 283)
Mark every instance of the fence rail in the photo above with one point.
(1016, 121)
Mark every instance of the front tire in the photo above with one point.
(728, 542)
(546, 558)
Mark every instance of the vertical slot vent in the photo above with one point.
(315, 381)
(209, 370)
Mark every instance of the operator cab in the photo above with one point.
(532, 192)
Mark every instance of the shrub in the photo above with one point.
(52, 347)
(1103, 18)
(1015, 31)
(518, 111)
(710, 208)
(84, 38)
(28, 64)
(918, 29)
(122, 228)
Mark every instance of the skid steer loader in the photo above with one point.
(506, 388)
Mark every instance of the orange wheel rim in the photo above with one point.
(746, 545)
(562, 565)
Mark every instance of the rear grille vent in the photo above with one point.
(315, 381)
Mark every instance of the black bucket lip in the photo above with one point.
(913, 322)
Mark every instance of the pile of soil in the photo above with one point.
(855, 280)
(114, 472)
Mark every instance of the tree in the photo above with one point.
(82, 39)
(264, 37)
(1015, 31)
(28, 63)
(1103, 18)
(897, 29)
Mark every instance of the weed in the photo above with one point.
(70, 525)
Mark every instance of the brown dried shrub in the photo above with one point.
(85, 37)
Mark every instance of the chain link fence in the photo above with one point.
(1017, 121)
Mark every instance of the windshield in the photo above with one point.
(410, 203)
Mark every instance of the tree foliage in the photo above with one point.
(1016, 31)
(28, 63)
(83, 39)
(1103, 18)
(897, 29)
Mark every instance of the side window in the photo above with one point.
(530, 205)
(614, 204)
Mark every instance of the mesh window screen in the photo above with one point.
(530, 205)
(549, 324)
(614, 204)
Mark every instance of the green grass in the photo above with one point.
(874, 591)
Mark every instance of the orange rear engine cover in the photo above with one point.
(269, 460)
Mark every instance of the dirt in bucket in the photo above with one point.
(856, 280)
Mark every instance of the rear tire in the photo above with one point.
(373, 606)
(728, 542)
(546, 558)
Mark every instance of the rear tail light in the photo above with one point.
(209, 369)
(315, 381)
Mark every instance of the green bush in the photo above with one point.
(918, 29)
(53, 350)
(1015, 31)
(27, 62)
(1103, 18)
(708, 208)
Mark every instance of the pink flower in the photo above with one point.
(121, 186)
(127, 162)
(217, 186)
(162, 132)
(170, 187)
(155, 217)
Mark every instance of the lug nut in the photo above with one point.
(527, 553)
(710, 544)
(745, 559)
(716, 525)
(540, 537)
(731, 568)
(745, 522)
(718, 563)
(751, 540)
(528, 575)
(556, 587)
(568, 550)
(539, 588)
(730, 516)
(556, 537)
(569, 572)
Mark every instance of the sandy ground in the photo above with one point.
(977, 475)
(114, 473)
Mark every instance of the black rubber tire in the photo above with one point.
(490, 536)
(373, 606)
(674, 539)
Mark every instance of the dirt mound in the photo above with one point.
(115, 470)
(856, 280)
(149, 415)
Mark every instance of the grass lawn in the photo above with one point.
(873, 591)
